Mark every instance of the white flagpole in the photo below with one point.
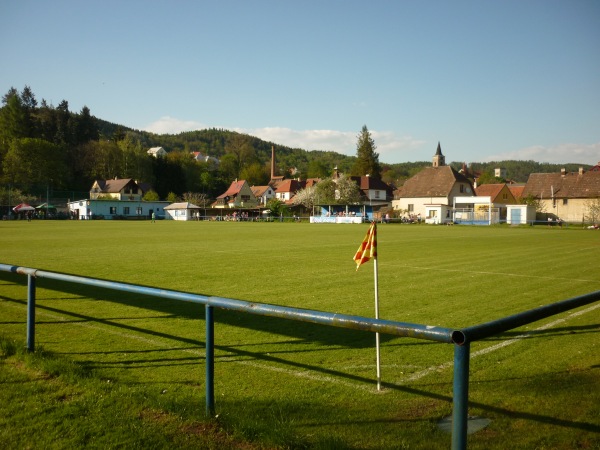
(377, 317)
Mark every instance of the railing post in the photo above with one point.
(460, 396)
(210, 361)
(30, 313)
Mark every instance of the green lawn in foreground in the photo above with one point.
(290, 384)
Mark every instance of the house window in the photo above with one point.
(138, 210)
(462, 188)
(113, 209)
(565, 201)
(245, 198)
(504, 196)
(411, 207)
(376, 194)
(126, 210)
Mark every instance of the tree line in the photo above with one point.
(44, 146)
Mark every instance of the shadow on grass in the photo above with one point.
(555, 331)
(302, 331)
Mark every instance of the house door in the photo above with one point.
(515, 215)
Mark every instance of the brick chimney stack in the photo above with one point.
(272, 162)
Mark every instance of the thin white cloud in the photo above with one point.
(171, 125)
(391, 148)
(559, 154)
(328, 140)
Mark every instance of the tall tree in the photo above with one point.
(255, 174)
(240, 147)
(64, 133)
(86, 128)
(35, 161)
(317, 169)
(367, 160)
(339, 191)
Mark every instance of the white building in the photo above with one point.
(182, 211)
(157, 152)
(116, 209)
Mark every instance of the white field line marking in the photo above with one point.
(295, 373)
(310, 375)
(446, 365)
(105, 330)
(504, 274)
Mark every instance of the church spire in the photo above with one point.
(439, 159)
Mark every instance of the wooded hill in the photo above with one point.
(43, 148)
(213, 142)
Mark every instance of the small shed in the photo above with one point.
(520, 214)
(182, 211)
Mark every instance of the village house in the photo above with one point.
(263, 194)
(211, 161)
(568, 196)
(116, 199)
(286, 189)
(238, 195)
(157, 152)
(500, 196)
(430, 193)
(118, 189)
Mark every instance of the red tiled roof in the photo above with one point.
(289, 186)
(516, 190)
(366, 183)
(234, 189)
(489, 190)
(567, 185)
(258, 191)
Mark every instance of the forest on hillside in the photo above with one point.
(46, 147)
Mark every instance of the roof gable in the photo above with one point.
(288, 186)
(367, 183)
(568, 185)
(115, 186)
(432, 182)
(259, 191)
(182, 205)
(494, 191)
(235, 188)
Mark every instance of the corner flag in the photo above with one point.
(366, 251)
(368, 247)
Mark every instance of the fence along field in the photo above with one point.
(324, 378)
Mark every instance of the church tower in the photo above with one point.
(439, 160)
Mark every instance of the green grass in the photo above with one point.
(134, 365)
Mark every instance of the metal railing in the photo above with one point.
(461, 339)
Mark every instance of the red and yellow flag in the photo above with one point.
(368, 247)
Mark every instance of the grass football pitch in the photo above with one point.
(123, 370)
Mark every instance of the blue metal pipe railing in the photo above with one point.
(488, 329)
(303, 315)
(30, 313)
(460, 338)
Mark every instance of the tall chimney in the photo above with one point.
(272, 162)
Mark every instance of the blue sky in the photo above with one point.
(490, 80)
